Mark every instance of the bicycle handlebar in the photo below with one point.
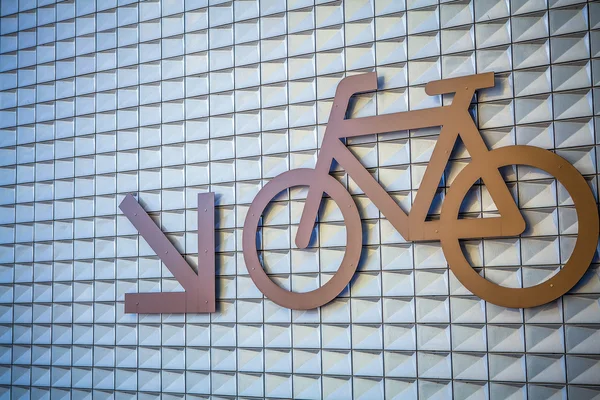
(348, 87)
(452, 85)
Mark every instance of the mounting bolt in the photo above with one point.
(206, 251)
(135, 214)
(205, 210)
(166, 251)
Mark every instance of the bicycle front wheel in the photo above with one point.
(587, 235)
(337, 283)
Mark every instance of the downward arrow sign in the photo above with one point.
(199, 294)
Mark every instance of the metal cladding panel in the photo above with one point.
(169, 99)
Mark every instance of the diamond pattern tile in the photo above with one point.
(166, 99)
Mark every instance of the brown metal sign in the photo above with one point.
(455, 121)
(449, 229)
(199, 294)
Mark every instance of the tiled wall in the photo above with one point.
(169, 98)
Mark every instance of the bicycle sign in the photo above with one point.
(455, 121)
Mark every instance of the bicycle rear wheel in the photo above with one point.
(337, 283)
(587, 236)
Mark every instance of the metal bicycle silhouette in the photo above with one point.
(455, 121)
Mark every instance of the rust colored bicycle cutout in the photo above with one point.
(455, 121)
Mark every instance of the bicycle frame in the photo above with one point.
(455, 121)
(485, 164)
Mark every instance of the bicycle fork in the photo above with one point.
(315, 192)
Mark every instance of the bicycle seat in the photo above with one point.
(452, 85)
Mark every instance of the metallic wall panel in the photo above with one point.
(167, 99)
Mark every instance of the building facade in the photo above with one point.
(167, 99)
